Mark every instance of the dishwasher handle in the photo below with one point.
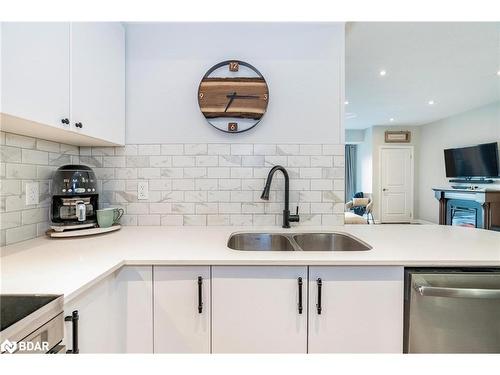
(433, 291)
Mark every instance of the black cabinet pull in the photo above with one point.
(318, 305)
(200, 297)
(300, 294)
(73, 318)
(65, 121)
(79, 125)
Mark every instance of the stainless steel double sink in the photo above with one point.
(317, 241)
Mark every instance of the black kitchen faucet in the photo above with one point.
(287, 217)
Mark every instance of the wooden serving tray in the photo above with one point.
(81, 232)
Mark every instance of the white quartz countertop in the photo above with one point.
(70, 266)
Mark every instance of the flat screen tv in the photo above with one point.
(475, 161)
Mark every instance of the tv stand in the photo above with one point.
(473, 180)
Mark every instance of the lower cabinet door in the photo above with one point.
(181, 309)
(115, 315)
(356, 309)
(259, 309)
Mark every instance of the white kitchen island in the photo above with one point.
(181, 289)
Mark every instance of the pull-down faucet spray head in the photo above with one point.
(265, 192)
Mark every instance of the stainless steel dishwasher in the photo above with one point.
(452, 310)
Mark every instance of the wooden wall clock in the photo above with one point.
(233, 96)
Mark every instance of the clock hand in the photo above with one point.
(230, 100)
(235, 96)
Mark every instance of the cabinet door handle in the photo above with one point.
(200, 296)
(73, 318)
(79, 125)
(318, 305)
(65, 121)
(300, 294)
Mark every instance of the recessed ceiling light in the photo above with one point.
(346, 102)
(498, 73)
(391, 119)
(383, 72)
(431, 102)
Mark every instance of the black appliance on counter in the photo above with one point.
(74, 198)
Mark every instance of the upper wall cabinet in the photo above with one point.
(64, 82)
(36, 72)
(98, 80)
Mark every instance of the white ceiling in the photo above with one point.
(454, 64)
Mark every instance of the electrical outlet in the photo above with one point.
(142, 190)
(32, 193)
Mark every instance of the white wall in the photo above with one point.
(481, 125)
(302, 63)
(354, 136)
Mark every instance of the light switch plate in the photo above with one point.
(142, 190)
(32, 193)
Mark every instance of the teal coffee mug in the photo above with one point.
(108, 216)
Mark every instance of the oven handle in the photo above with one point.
(73, 318)
(433, 291)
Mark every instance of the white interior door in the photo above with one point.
(396, 184)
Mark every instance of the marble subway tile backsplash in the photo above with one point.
(189, 184)
(220, 184)
(22, 160)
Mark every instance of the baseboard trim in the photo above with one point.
(424, 222)
(414, 221)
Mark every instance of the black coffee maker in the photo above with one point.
(74, 198)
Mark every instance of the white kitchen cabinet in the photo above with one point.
(98, 80)
(116, 314)
(361, 309)
(255, 309)
(36, 71)
(56, 76)
(182, 306)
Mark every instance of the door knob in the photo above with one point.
(65, 121)
(384, 189)
(78, 125)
